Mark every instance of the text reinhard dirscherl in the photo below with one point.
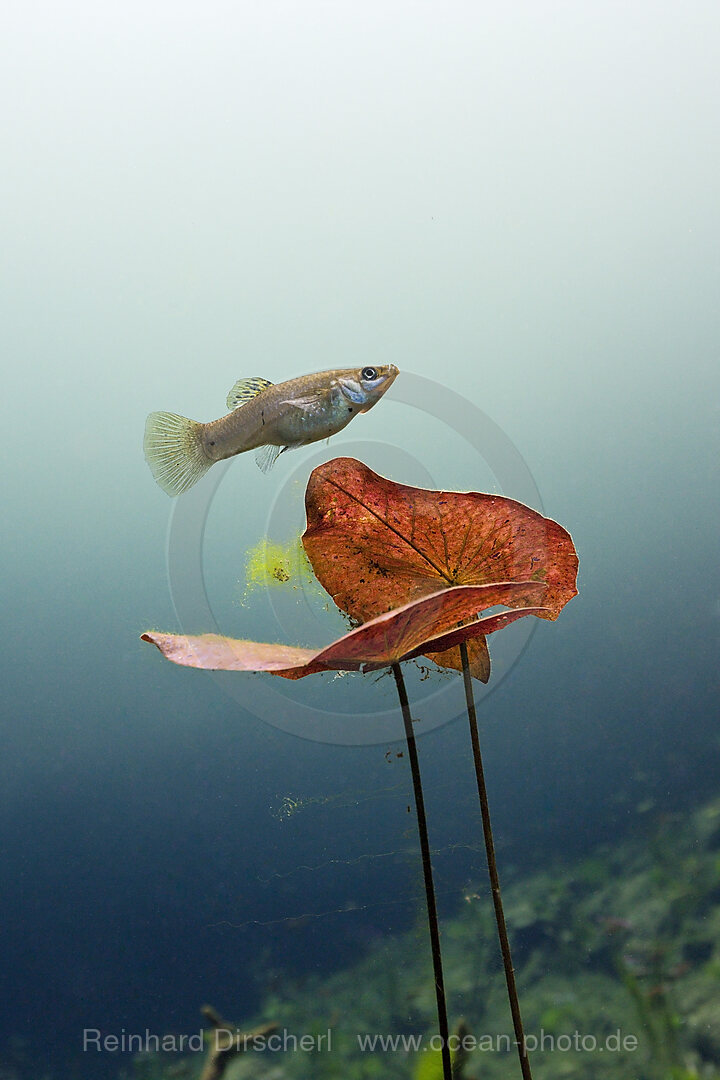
(367, 1042)
(147, 1042)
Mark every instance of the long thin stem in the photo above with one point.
(492, 869)
(427, 873)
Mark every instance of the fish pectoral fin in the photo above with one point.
(244, 390)
(266, 456)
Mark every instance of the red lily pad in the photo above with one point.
(375, 544)
(391, 637)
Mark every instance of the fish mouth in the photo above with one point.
(391, 375)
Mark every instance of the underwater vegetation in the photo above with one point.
(414, 567)
(269, 564)
(407, 541)
(647, 906)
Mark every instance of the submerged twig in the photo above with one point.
(227, 1042)
(492, 869)
(427, 873)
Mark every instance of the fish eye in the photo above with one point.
(369, 373)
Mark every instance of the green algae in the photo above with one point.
(270, 564)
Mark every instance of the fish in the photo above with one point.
(269, 418)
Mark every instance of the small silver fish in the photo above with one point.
(264, 417)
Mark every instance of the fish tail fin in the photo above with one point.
(174, 451)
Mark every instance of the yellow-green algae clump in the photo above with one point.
(269, 564)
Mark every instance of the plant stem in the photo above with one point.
(427, 873)
(492, 869)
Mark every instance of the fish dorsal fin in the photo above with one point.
(244, 390)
